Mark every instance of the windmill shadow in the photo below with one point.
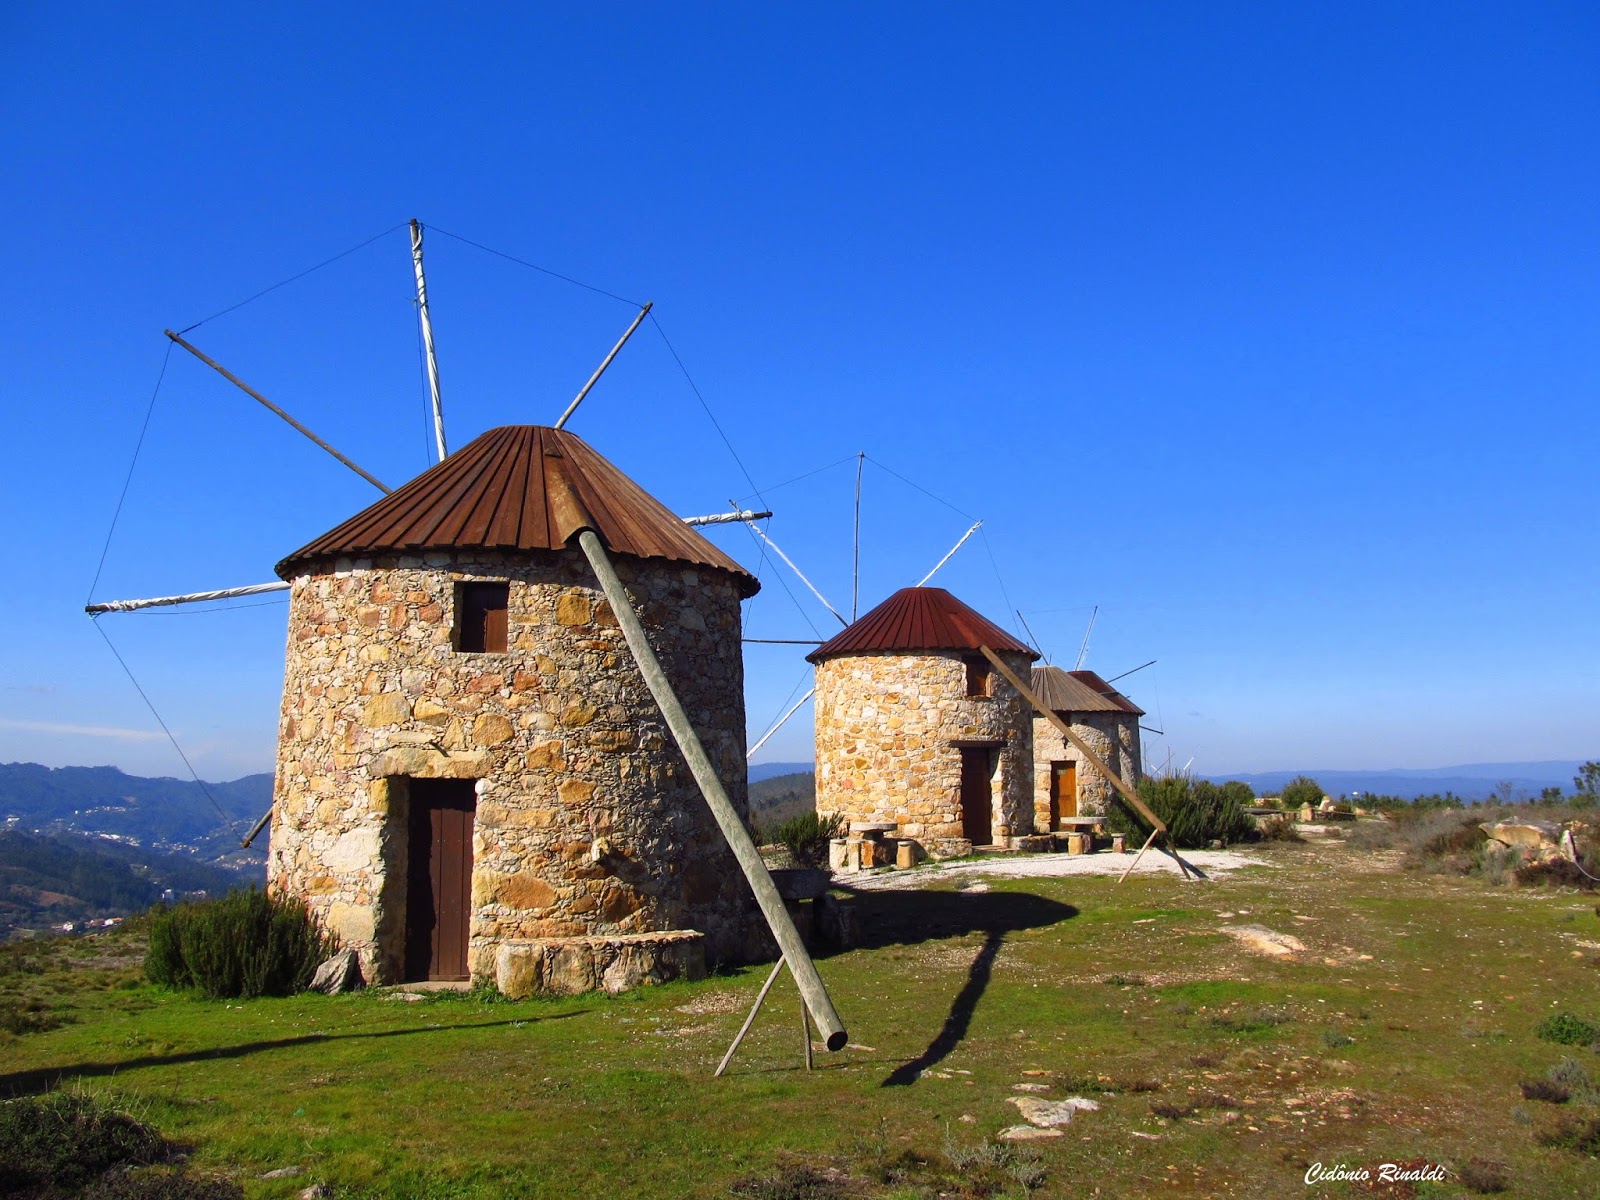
(42, 1079)
(894, 918)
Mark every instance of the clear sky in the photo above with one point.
(1270, 329)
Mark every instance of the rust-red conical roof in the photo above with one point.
(919, 618)
(500, 492)
(1079, 691)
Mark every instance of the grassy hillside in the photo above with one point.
(775, 800)
(1404, 1031)
(165, 813)
(47, 881)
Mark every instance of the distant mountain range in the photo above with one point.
(1470, 781)
(768, 770)
(169, 815)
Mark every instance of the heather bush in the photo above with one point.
(1197, 812)
(806, 837)
(246, 944)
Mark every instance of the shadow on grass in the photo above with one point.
(892, 918)
(42, 1079)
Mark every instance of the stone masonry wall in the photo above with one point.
(588, 821)
(1113, 736)
(885, 724)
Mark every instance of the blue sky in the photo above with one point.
(1269, 329)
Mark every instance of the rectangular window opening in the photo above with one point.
(978, 675)
(481, 617)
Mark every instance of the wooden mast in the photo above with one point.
(427, 338)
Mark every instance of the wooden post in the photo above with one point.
(1093, 759)
(1138, 856)
(761, 998)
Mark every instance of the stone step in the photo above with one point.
(569, 966)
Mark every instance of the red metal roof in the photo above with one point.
(1079, 691)
(499, 493)
(919, 618)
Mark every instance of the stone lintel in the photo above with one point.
(422, 762)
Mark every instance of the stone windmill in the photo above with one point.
(473, 778)
(486, 767)
(916, 734)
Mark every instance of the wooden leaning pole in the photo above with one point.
(575, 522)
(1158, 826)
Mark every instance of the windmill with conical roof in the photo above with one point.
(916, 736)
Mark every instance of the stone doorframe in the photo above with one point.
(997, 779)
(391, 771)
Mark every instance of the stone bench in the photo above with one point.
(569, 966)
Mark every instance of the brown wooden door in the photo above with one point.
(977, 765)
(439, 882)
(1063, 792)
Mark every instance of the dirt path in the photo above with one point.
(1041, 866)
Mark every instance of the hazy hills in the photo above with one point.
(167, 814)
(1470, 781)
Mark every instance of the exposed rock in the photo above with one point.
(1047, 1114)
(1264, 941)
(341, 973)
(1026, 1133)
(1534, 835)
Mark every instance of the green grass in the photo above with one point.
(1371, 1047)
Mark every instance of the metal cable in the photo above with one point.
(292, 278)
(126, 483)
(522, 262)
(195, 775)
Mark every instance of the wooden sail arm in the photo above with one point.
(270, 406)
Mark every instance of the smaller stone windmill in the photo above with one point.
(914, 731)
(1107, 721)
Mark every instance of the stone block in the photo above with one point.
(389, 708)
(569, 969)
(492, 729)
(518, 970)
(575, 793)
(431, 711)
(574, 608)
(516, 891)
(546, 756)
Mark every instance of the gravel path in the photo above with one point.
(1041, 866)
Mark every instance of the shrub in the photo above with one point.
(1440, 840)
(1570, 1075)
(1484, 1176)
(1302, 789)
(1568, 1030)
(1574, 1133)
(1197, 812)
(1278, 829)
(806, 837)
(68, 1139)
(1558, 872)
(1543, 1089)
(247, 943)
